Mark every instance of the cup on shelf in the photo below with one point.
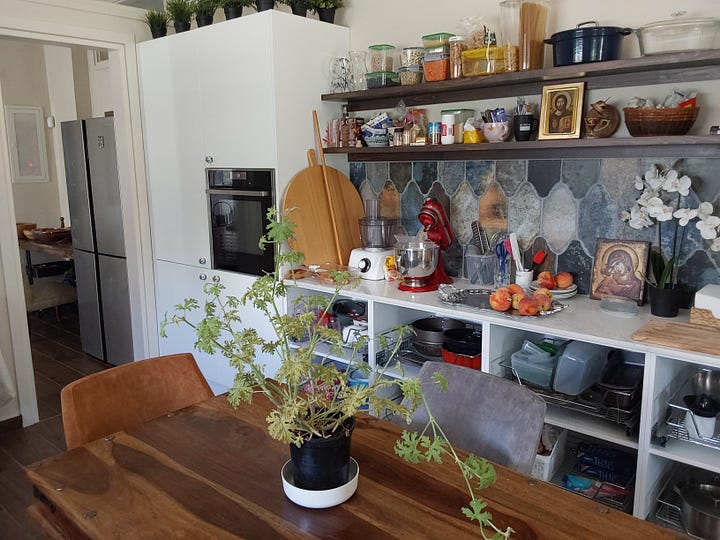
(524, 125)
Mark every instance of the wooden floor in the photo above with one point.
(57, 360)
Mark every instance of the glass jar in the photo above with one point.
(412, 56)
(358, 69)
(458, 44)
(510, 33)
(382, 57)
(533, 19)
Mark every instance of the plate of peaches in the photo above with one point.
(561, 285)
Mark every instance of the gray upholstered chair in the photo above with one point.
(484, 414)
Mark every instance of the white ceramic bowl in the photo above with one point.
(324, 498)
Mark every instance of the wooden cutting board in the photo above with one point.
(691, 337)
(314, 234)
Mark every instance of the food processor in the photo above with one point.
(376, 234)
(418, 259)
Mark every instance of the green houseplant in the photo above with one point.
(314, 399)
(180, 12)
(234, 8)
(665, 203)
(298, 7)
(325, 9)
(157, 21)
(264, 5)
(204, 11)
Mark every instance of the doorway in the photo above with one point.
(96, 30)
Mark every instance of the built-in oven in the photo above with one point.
(238, 201)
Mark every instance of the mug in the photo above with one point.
(496, 131)
(524, 126)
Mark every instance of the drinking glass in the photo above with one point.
(358, 69)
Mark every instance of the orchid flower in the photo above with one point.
(715, 246)
(654, 178)
(704, 211)
(684, 215)
(708, 227)
(657, 209)
(673, 184)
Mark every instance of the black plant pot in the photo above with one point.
(666, 302)
(326, 15)
(299, 8)
(232, 12)
(181, 26)
(203, 20)
(264, 5)
(323, 463)
(158, 31)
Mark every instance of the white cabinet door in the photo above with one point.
(235, 72)
(175, 283)
(174, 144)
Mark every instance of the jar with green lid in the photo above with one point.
(382, 57)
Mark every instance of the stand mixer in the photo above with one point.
(419, 262)
(376, 234)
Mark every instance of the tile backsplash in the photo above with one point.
(560, 206)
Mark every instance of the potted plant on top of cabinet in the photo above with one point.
(204, 11)
(181, 12)
(234, 8)
(326, 9)
(264, 5)
(313, 401)
(157, 21)
(298, 7)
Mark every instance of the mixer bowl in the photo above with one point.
(416, 260)
(377, 232)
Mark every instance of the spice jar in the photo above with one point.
(458, 44)
(381, 57)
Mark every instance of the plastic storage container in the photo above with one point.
(679, 35)
(436, 66)
(534, 365)
(410, 75)
(381, 79)
(382, 57)
(579, 367)
(412, 56)
(485, 61)
(545, 467)
(435, 40)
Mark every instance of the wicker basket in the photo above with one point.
(655, 122)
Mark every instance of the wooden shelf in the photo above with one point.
(646, 70)
(685, 146)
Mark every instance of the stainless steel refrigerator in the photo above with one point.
(97, 237)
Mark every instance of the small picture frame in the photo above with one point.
(619, 269)
(561, 111)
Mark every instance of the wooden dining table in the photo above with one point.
(211, 471)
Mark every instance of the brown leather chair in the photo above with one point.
(127, 395)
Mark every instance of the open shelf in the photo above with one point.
(645, 70)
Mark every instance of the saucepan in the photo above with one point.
(700, 506)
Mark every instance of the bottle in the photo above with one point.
(345, 127)
(447, 129)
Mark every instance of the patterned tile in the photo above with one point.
(580, 175)
(543, 174)
(389, 201)
(539, 244)
(424, 173)
(559, 218)
(451, 174)
(704, 175)
(401, 174)
(617, 176)
(463, 211)
(411, 201)
(366, 191)
(493, 210)
(377, 173)
(357, 173)
(480, 174)
(599, 218)
(524, 214)
(510, 174)
(576, 261)
(699, 270)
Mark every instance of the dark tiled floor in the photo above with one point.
(57, 360)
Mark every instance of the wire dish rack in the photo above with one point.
(629, 418)
(679, 418)
(668, 513)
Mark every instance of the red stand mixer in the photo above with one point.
(416, 257)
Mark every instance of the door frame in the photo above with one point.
(52, 27)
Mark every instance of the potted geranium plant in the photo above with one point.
(234, 8)
(180, 12)
(157, 21)
(665, 204)
(313, 400)
(325, 9)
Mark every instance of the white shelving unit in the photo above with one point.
(583, 320)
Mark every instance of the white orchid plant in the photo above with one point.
(660, 202)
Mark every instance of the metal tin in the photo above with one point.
(434, 133)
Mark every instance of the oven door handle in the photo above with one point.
(242, 193)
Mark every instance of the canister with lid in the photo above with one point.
(382, 57)
(447, 128)
(412, 56)
(457, 44)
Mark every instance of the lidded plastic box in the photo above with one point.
(382, 57)
(435, 40)
(579, 367)
(534, 364)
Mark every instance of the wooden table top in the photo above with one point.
(209, 471)
(63, 250)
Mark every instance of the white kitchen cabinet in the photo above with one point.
(236, 94)
(175, 283)
(665, 370)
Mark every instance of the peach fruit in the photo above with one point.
(564, 280)
(501, 300)
(542, 301)
(544, 291)
(527, 306)
(546, 280)
(515, 288)
(516, 297)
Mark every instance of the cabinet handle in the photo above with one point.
(208, 159)
(203, 277)
(202, 260)
(216, 279)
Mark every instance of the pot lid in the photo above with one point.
(701, 497)
(584, 31)
(681, 23)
